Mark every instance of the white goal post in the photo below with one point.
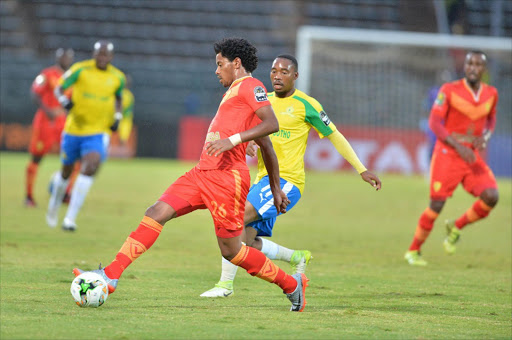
(377, 87)
(307, 34)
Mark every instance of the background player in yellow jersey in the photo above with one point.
(96, 102)
(126, 124)
(297, 113)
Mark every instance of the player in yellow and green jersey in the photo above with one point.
(126, 124)
(297, 113)
(94, 111)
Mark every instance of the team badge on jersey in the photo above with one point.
(325, 118)
(440, 98)
(260, 94)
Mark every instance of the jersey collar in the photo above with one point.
(238, 81)
(476, 96)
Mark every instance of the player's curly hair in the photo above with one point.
(238, 47)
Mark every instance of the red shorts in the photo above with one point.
(223, 192)
(447, 170)
(45, 133)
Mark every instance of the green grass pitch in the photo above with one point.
(360, 285)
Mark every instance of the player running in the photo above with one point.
(463, 118)
(297, 113)
(49, 119)
(94, 111)
(221, 180)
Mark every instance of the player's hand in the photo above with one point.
(117, 119)
(65, 102)
(281, 201)
(466, 153)
(252, 149)
(371, 178)
(217, 147)
(480, 143)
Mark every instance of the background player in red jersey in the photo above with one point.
(221, 180)
(49, 119)
(463, 118)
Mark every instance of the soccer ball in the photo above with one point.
(89, 290)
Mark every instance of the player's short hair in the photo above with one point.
(482, 53)
(290, 58)
(238, 47)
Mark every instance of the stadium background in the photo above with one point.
(167, 48)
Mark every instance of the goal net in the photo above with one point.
(378, 86)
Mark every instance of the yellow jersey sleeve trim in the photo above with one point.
(345, 149)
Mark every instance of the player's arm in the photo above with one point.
(436, 124)
(270, 159)
(65, 82)
(345, 149)
(118, 115)
(39, 85)
(480, 142)
(268, 125)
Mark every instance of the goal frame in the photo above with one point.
(306, 34)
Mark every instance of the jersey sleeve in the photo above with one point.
(441, 104)
(317, 118)
(122, 82)
(70, 76)
(491, 121)
(40, 83)
(128, 103)
(254, 94)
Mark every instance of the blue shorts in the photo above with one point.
(72, 148)
(261, 198)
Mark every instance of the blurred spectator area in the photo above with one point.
(167, 45)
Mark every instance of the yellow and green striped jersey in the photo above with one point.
(296, 114)
(93, 97)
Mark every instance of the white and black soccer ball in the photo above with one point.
(89, 290)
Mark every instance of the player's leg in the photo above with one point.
(480, 183)
(264, 217)
(72, 179)
(445, 175)
(70, 152)
(30, 178)
(137, 243)
(179, 199)
(257, 264)
(94, 151)
(38, 147)
(260, 218)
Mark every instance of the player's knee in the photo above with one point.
(490, 197)
(160, 212)
(437, 206)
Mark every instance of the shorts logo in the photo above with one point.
(440, 98)
(437, 186)
(325, 118)
(260, 94)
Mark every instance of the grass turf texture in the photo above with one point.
(360, 285)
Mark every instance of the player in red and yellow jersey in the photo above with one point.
(221, 180)
(463, 118)
(49, 119)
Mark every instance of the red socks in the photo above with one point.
(257, 264)
(135, 245)
(425, 225)
(477, 211)
(31, 177)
